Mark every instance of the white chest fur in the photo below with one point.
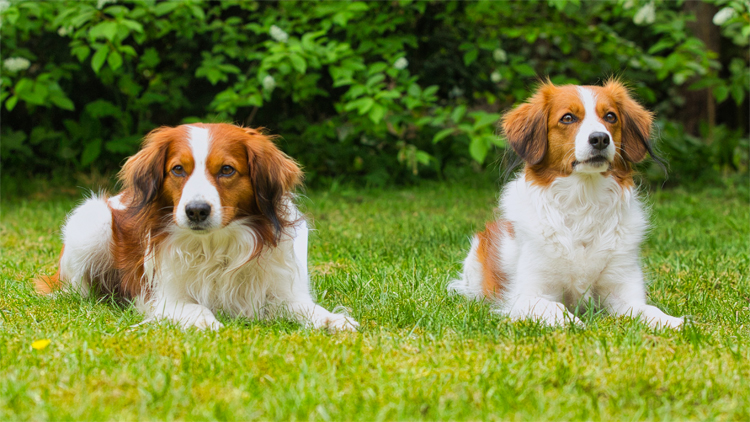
(218, 271)
(573, 231)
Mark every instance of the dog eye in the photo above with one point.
(568, 119)
(610, 117)
(178, 171)
(226, 171)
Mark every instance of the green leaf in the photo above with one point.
(126, 145)
(362, 105)
(376, 68)
(135, 26)
(482, 119)
(106, 30)
(24, 85)
(470, 56)
(422, 157)
(661, 45)
(442, 135)
(102, 108)
(63, 102)
(99, 57)
(91, 152)
(11, 103)
(37, 95)
(738, 93)
(81, 52)
(114, 60)
(458, 114)
(298, 63)
(721, 93)
(375, 79)
(478, 149)
(377, 112)
(165, 7)
(524, 69)
(197, 12)
(128, 50)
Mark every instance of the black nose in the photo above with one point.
(599, 140)
(197, 212)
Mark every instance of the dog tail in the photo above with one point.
(45, 284)
(483, 275)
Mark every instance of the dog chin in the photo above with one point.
(597, 164)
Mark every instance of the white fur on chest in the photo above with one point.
(216, 270)
(572, 231)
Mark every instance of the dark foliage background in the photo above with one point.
(371, 92)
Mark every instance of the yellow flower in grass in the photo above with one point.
(40, 344)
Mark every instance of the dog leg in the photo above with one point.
(543, 310)
(297, 298)
(628, 298)
(183, 313)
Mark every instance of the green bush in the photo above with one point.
(381, 91)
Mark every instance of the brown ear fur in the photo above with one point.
(273, 175)
(143, 173)
(636, 123)
(525, 127)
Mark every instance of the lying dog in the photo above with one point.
(571, 221)
(205, 222)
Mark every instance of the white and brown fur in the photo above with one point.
(205, 222)
(571, 222)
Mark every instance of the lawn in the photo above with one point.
(387, 255)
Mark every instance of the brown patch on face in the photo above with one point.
(525, 127)
(151, 194)
(558, 162)
(536, 133)
(636, 122)
(488, 254)
(273, 176)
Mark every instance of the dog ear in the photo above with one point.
(525, 127)
(273, 175)
(636, 123)
(143, 172)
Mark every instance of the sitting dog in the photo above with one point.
(205, 222)
(571, 221)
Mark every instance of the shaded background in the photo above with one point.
(368, 93)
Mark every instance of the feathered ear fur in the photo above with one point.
(273, 175)
(525, 127)
(143, 173)
(636, 123)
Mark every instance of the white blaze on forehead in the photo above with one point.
(200, 186)
(591, 123)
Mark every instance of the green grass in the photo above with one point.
(387, 255)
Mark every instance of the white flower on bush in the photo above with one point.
(496, 77)
(401, 63)
(15, 64)
(723, 15)
(646, 15)
(62, 31)
(499, 55)
(269, 83)
(278, 34)
(4, 4)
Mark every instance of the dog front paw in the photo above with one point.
(211, 324)
(336, 322)
(667, 322)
